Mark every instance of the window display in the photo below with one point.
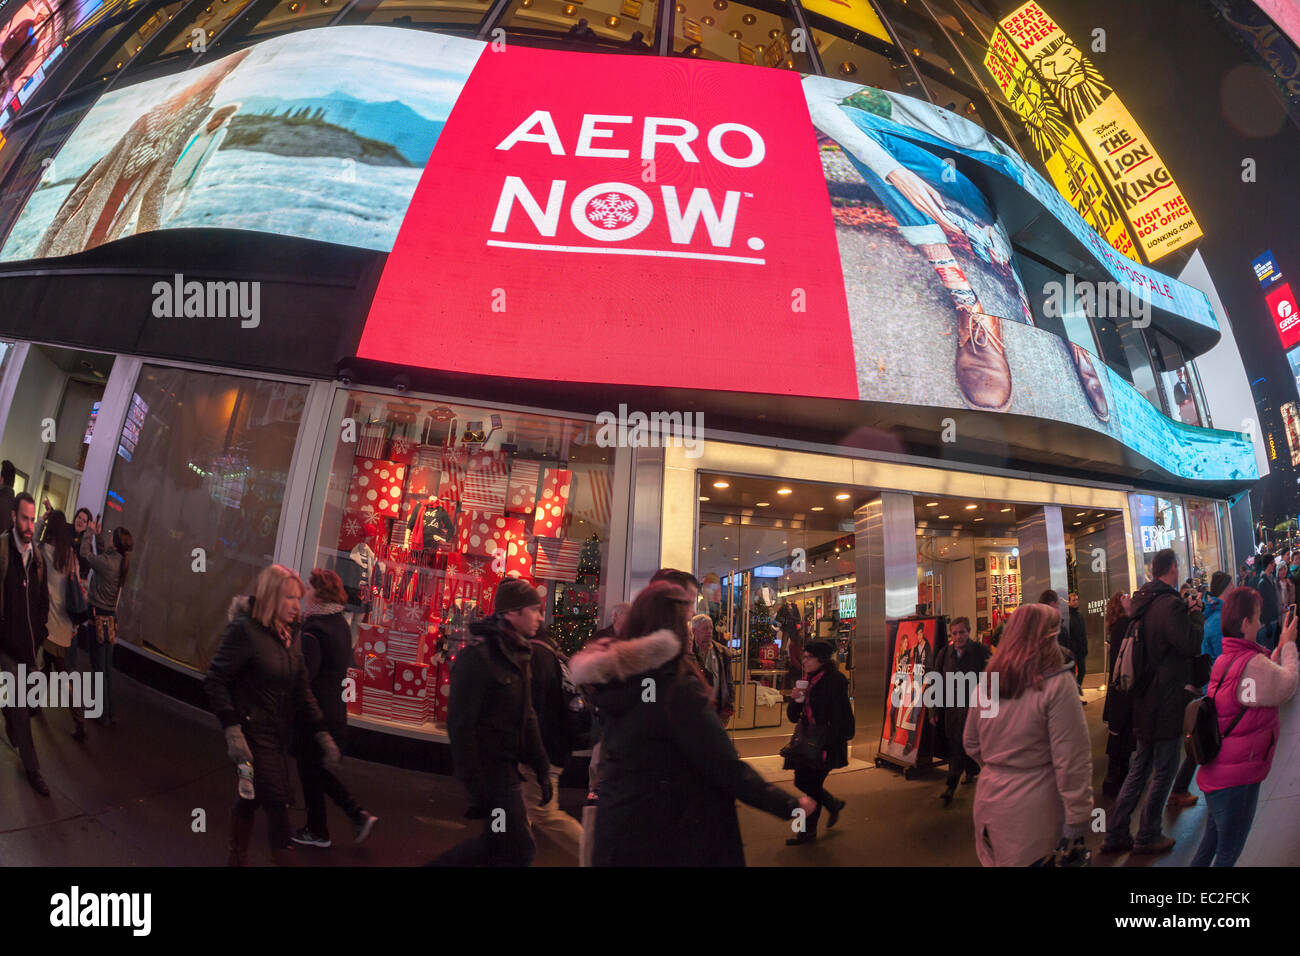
(429, 507)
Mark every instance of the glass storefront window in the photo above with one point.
(426, 506)
(1206, 546)
(212, 19)
(202, 462)
(465, 14)
(1142, 373)
(1177, 380)
(626, 24)
(122, 56)
(1158, 524)
(738, 33)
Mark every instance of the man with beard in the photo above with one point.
(24, 609)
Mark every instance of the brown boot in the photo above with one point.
(241, 834)
(983, 375)
(1091, 382)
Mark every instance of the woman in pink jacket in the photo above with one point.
(1028, 734)
(1247, 707)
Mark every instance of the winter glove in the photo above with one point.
(329, 749)
(544, 783)
(236, 746)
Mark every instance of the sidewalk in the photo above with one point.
(128, 797)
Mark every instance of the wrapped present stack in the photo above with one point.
(410, 699)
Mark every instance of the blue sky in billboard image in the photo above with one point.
(319, 134)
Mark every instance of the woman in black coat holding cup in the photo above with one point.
(823, 714)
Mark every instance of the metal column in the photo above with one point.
(1041, 535)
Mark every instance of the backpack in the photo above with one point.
(1202, 740)
(1130, 663)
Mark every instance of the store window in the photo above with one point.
(460, 15)
(1141, 370)
(739, 33)
(1206, 544)
(426, 506)
(1178, 380)
(201, 463)
(1158, 524)
(777, 569)
(628, 25)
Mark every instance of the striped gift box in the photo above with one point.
(521, 491)
(557, 559)
(372, 440)
(591, 498)
(485, 483)
(376, 702)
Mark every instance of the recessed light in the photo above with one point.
(943, 516)
(1005, 510)
(932, 504)
(764, 504)
(979, 519)
(785, 491)
(843, 496)
(818, 508)
(704, 497)
(1077, 523)
(722, 484)
(971, 507)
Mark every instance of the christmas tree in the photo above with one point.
(574, 610)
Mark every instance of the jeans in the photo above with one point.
(564, 831)
(317, 783)
(810, 780)
(1155, 760)
(1227, 825)
(101, 659)
(1185, 774)
(506, 839)
(957, 759)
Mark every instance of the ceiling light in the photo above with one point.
(971, 507)
(1077, 523)
(818, 508)
(722, 484)
(1005, 510)
(764, 504)
(943, 516)
(785, 491)
(749, 19)
(708, 21)
(704, 497)
(611, 21)
(843, 496)
(979, 519)
(932, 504)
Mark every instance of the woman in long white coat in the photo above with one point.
(1029, 736)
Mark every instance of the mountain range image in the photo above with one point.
(411, 136)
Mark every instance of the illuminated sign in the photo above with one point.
(1282, 307)
(1293, 357)
(857, 14)
(1148, 196)
(1067, 162)
(1266, 270)
(583, 231)
(1291, 422)
(768, 571)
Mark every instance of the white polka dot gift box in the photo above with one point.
(521, 491)
(483, 534)
(553, 503)
(376, 487)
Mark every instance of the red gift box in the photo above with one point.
(481, 534)
(372, 440)
(401, 450)
(376, 674)
(451, 477)
(441, 685)
(548, 520)
(354, 675)
(422, 480)
(521, 491)
(376, 487)
(484, 488)
(376, 639)
(409, 678)
(352, 530)
(519, 562)
(557, 559)
(378, 702)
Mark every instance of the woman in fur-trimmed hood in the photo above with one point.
(669, 775)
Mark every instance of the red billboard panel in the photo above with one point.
(680, 189)
(1282, 307)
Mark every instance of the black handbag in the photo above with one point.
(806, 746)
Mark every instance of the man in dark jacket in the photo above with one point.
(1171, 631)
(493, 729)
(551, 704)
(715, 665)
(1268, 611)
(1078, 641)
(24, 609)
(960, 656)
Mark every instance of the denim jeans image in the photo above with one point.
(1158, 760)
(1227, 825)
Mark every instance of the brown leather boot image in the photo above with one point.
(1091, 383)
(983, 375)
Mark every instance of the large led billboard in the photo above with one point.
(1291, 425)
(1282, 307)
(571, 228)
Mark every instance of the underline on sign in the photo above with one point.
(713, 257)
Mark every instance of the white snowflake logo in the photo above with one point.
(351, 527)
(612, 210)
(401, 446)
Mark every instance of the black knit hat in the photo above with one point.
(513, 594)
(821, 650)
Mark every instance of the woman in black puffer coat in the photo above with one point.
(258, 687)
(327, 652)
(669, 775)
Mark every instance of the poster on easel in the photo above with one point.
(914, 643)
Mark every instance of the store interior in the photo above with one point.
(777, 565)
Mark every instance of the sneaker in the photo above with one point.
(364, 826)
(1183, 799)
(1162, 845)
(306, 838)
